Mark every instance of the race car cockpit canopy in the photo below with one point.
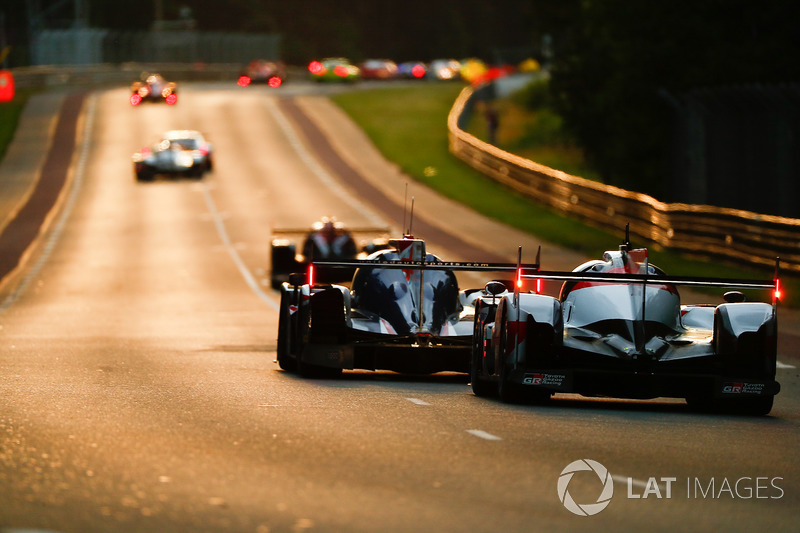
(411, 300)
(588, 302)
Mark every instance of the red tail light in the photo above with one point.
(244, 81)
(418, 71)
(171, 99)
(274, 82)
(341, 71)
(311, 274)
(315, 67)
(136, 99)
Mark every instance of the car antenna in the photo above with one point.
(405, 206)
(626, 245)
(411, 218)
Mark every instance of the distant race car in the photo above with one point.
(414, 70)
(177, 153)
(403, 312)
(326, 239)
(618, 329)
(378, 69)
(154, 88)
(272, 73)
(334, 69)
(444, 69)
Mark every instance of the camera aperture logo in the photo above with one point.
(747, 487)
(586, 509)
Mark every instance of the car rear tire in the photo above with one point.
(145, 175)
(481, 386)
(285, 360)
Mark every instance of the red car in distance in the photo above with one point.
(154, 88)
(272, 73)
(378, 69)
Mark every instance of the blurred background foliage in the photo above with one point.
(611, 61)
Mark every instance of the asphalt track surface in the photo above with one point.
(138, 389)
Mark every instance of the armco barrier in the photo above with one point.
(696, 229)
(124, 74)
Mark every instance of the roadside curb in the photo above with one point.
(38, 195)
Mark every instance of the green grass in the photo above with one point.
(9, 117)
(409, 126)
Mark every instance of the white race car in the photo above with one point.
(618, 329)
(178, 152)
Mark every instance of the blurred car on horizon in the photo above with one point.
(444, 69)
(272, 73)
(153, 88)
(176, 153)
(334, 69)
(378, 69)
(414, 70)
(473, 69)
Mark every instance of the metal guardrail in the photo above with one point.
(124, 74)
(700, 230)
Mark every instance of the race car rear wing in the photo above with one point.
(646, 278)
(376, 230)
(429, 265)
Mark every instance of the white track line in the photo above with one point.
(226, 240)
(61, 222)
(317, 169)
(326, 179)
(417, 401)
(482, 434)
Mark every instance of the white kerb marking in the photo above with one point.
(482, 434)
(417, 401)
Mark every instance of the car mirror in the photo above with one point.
(296, 279)
(733, 297)
(495, 287)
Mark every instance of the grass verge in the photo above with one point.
(408, 125)
(9, 117)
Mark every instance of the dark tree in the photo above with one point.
(619, 56)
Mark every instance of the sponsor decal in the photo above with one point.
(743, 388)
(552, 380)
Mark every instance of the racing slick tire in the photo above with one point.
(507, 390)
(282, 263)
(481, 386)
(145, 175)
(327, 326)
(285, 360)
(706, 403)
(311, 371)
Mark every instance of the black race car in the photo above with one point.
(403, 312)
(326, 239)
(618, 329)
